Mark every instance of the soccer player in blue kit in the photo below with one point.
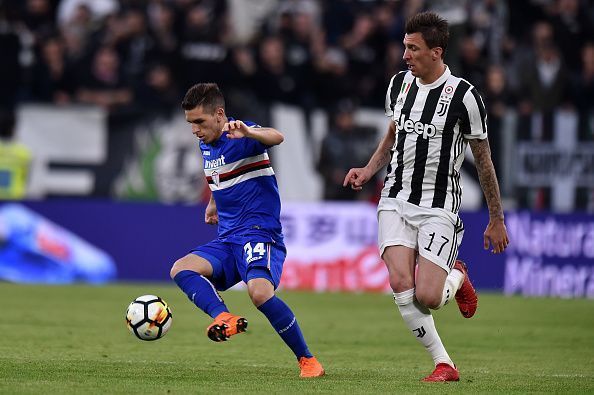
(245, 203)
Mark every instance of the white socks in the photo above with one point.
(419, 320)
(452, 284)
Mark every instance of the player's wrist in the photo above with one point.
(249, 132)
(496, 218)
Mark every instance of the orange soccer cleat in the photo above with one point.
(226, 325)
(310, 367)
(466, 296)
(443, 372)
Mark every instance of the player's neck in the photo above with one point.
(434, 74)
(224, 120)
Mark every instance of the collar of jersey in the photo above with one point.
(446, 74)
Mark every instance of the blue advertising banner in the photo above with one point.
(486, 269)
(36, 250)
(550, 255)
(332, 246)
(143, 239)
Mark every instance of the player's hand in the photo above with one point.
(356, 178)
(496, 236)
(211, 216)
(236, 129)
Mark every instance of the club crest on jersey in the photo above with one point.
(409, 126)
(444, 101)
(442, 106)
(215, 177)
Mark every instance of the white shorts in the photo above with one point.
(434, 233)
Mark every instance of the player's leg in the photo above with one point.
(438, 243)
(436, 282)
(281, 317)
(262, 277)
(199, 275)
(398, 244)
(191, 273)
(435, 287)
(279, 314)
(433, 290)
(283, 320)
(417, 317)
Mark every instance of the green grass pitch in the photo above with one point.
(73, 339)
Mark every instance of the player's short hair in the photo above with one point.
(208, 95)
(432, 27)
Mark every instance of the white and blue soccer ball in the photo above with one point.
(148, 317)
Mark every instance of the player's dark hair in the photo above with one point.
(432, 27)
(208, 95)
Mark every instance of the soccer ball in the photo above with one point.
(148, 317)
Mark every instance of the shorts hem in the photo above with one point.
(263, 272)
(432, 259)
(392, 243)
(214, 262)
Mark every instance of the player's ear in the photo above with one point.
(220, 113)
(436, 53)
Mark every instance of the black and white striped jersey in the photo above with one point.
(433, 123)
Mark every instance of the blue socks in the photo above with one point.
(284, 322)
(201, 292)
(204, 295)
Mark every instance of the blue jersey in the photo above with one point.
(244, 188)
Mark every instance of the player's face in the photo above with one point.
(207, 127)
(420, 59)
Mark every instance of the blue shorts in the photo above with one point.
(243, 261)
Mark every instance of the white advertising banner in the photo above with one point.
(65, 142)
(332, 247)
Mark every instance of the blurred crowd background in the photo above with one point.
(532, 61)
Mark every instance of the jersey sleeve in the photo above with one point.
(253, 146)
(251, 124)
(474, 119)
(392, 93)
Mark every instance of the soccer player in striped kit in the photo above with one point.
(245, 203)
(434, 116)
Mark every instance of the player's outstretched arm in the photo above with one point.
(211, 215)
(381, 157)
(267, 136)
(496, 232)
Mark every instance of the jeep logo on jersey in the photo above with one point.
(209, 164)
(410, 126)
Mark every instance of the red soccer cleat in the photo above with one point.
(442, 373)
(466, 296)
(310, 367)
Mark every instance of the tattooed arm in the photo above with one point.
(381, 157)
(484, 166)
(496, 232)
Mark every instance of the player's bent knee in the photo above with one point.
(260, 291)
(176, 268)
(261, 296)
(399, 284)
(427, 299)
(190, 262)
